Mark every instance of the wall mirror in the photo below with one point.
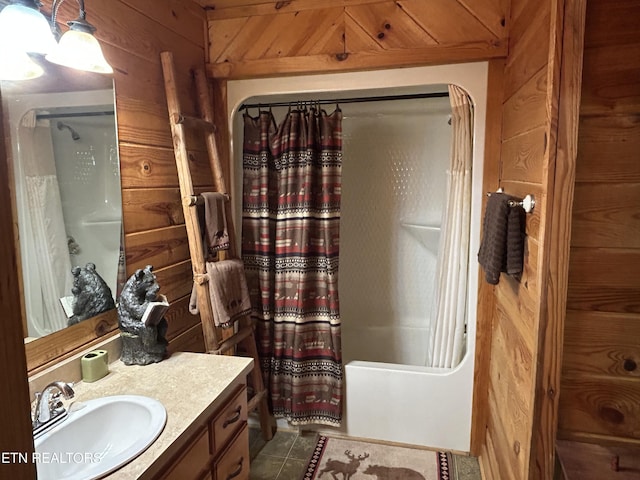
(63, 153)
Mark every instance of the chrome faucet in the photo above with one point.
(49, 408)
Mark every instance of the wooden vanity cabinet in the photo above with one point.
(219, 450)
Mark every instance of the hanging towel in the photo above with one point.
(502, 246)
(229, 295)
(515, 242)
(215, 235)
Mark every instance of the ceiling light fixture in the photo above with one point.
(23, 27)
(17, 65)
(77, 47)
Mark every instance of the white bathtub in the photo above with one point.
(409, 404)
(391, 396)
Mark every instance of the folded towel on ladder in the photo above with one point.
(213, 223)
(502, 246)
(229, 295)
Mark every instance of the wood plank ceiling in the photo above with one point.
(257, 33)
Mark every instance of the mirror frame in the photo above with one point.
(44, 351)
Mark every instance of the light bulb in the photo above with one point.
(26, 29)
(16, 65)
(80, 50)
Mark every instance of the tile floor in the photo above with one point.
(285, 457)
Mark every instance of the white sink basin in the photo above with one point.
(98, 437)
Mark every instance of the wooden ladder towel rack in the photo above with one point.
(217, 340)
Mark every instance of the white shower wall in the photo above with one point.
(396, 154)
(89, 178)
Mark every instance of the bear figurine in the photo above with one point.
(91, 294)
(141, 344)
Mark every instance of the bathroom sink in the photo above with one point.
(99, 436)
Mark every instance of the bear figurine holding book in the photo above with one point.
(141, 319)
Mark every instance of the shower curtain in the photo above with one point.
(447, 340)
(51, 278)
(290, 238)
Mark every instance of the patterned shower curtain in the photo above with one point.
(290, 238)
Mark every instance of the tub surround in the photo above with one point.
(192, 387)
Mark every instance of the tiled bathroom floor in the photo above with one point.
(285, 457)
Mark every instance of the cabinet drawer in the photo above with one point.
(193, 462)
(234, 462)
(229, 421)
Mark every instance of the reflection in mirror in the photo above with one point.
(64, 157)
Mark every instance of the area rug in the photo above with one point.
(342, 459)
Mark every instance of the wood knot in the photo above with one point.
(387, 26)
(341, 57)
(615, 463)
(102, 328)
(381, 35)
(279, 5)
(612, 415)
(629, 365)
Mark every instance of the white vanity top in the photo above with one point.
(191, 386)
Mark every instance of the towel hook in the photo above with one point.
(528, 203)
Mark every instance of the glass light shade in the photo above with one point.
(80, 50)
(26, 29)
(16, 65)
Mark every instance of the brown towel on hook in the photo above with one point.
(515, 242)
(502, 246)
(228, 292)
(215, 234)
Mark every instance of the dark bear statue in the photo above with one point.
(143, 342)
(91, 294)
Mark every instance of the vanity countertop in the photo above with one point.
(191, 386)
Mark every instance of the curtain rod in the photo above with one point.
(412, 96)
(69, 115)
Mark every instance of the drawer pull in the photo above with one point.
(234, 419)
(237, 471)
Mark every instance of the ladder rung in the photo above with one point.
(255, 400)
(192, 200)
(233, 340)
(193, 122)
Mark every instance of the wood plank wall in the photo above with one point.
(252, 38)
(526, 322)
(15, 434)
(600, 390)
(508, 428)
(133, 33)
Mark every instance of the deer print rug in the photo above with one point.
(342, 459)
